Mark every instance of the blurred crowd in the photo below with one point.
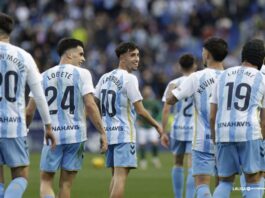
(163, 29)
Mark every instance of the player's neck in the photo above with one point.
(4, 38)
(215, 65)
(121, 66)
(65, 61)
(247, 64)
(186, 73)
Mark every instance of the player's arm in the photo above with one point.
(165, 114)
(184, 90)
(30, 111)
(43, 109)
(34, 82)
(213, 110)
(94, 115)
(212, 120)
(170, 98)
(141, 111)
(262, 118)
(98, 104)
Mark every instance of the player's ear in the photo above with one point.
(68, 54)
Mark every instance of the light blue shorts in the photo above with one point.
(180, 147)
(121, 155)
(66, 156)
(235, 157)
(14, 152)
(203, 163)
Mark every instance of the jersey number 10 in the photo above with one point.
(108, 99)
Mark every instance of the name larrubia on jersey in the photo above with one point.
(10, 119)
(114, 128)
(234, 124)
(65, 128)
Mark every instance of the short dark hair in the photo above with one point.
(68, 43)
(217, 47)
(6, 23)
(186, 61)
(125, 47)
(254, 52)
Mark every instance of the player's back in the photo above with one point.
(117, 91)
(182, 128)
(64, 86)
(203, 82)
(17, 67)
(239, 94)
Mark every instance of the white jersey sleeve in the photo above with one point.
(176, 82)
(34, 75)
(186, 89)
(133, 89)
(87, 83)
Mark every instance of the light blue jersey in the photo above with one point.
(182, 128)
(117, 91)
(64, 87)
(239, 96)
(17, 68)
(199, 85)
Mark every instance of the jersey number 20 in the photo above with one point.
(10, 82)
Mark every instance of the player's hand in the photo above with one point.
(49, 136)
(164, 140)
(103, 143)
(163, 137)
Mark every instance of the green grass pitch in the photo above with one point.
(93, 183)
